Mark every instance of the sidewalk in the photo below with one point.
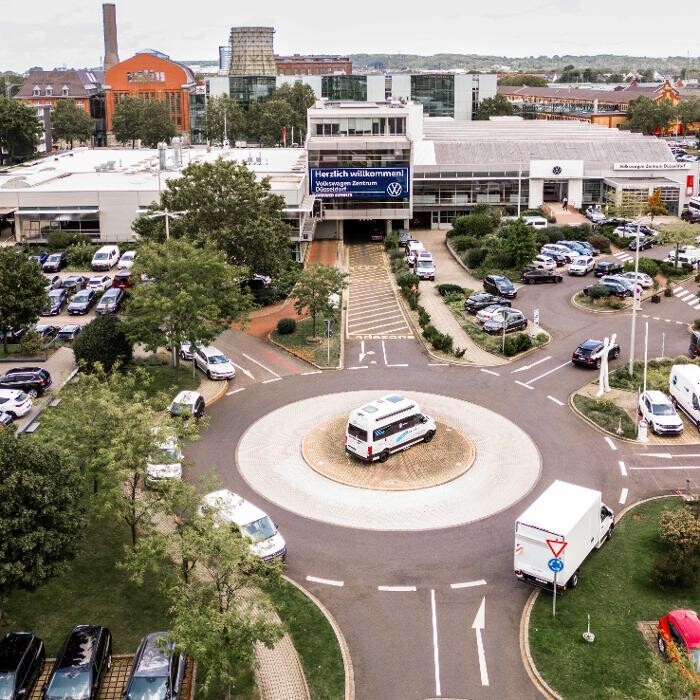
(570, 217)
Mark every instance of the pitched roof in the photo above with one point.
(81, 83)
(622, 96)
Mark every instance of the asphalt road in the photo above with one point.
(407, 602)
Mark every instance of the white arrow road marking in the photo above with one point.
(530, 366)
(244, 370)
(436, 652)
(478, 625)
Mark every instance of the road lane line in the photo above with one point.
(468, 584)
(623, 496)
(664, 469)
(611, 444)
(490, 371)
(551, 398)
(274, 379)
(436, 652)
(534, 364)
(445, 364)
(235, 391)
(326, 581)
(564, 364)
(360, 367)
(260, 364)
(316, 371)
(623, 469)
(527, 386)
(397, 589)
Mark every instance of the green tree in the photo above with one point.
(688, 112)
(22, 291)
(19, 128)
(222, 111)
(655, 206)
(269, 118)
(516, 246)
(126, 120)
(194, 295)
(70, 123)
(520, 80)
(494, 107)
(226, 205)
(678, 235)
(299, 97)
(156, 124)
(103, 342)
(475, 226)
(41, 512)
(648, 116)
(314, 288)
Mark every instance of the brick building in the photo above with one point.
(313, 65)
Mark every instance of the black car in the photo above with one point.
(82, 302)
(692, 216)
(32, 380)
(45, 331)
(481, 300)
(157, 671)
(614, 221)
(22, 658)
(559, 258)
(498, 284)
(257, 282)
(74, 283)
(538, 275)
(694, 347)
(110, 301)
(586, 352)
(57, 300)
(513, 320)
(643, 242)
(608, 267)
(85, 655)
(55, 262)
(614, 287)
(68, 333)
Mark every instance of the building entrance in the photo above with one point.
(555, 190)
(362, 230)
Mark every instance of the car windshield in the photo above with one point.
(259, 530)
(54, 257)
(66, 685)
(217, 360)
(148, 688)
(128, 256)
(662, 409)
(7, 680)
(100, 256)
(179, 408)
(425, 263)
(81, 296)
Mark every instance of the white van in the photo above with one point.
(684, 389)
(683, 258)
(535, 221)
(386, 425)
(105, 258)
(412, 249)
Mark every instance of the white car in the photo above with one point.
(659, 412)
(412, 249)
(186, 404)
(15, 402)
(568, 253)
(635, 231)
(126, 262)
(582, 265)
(186, 350)
(254, 524)
(595, 215)
(214, 363)
(642, 279)
(425, 267)
(544, 262)
(166, 461)
(100, 283)
(488, 312)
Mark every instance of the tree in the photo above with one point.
(126, 120)
(314, 288)
(688, 112)
(71, 123)
(515, 248)
(494, 107)
(19, 128)
(222, 111)
(41, 512)
(156, 124)
(269, 118)
(299, 97)
(527, 80)
(655, 206)
(194, 295)
(103, 342)
(648, 116)
(474, 225)
(22, 291)
(228, 206)
(678, 235)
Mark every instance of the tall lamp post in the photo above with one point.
(634, 303)
(167, 215)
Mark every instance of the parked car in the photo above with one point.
(535, 221)
(481, 300)
(622, 279)
(679, 633)
(257, 282)
(157, 671)
(425, 268)
(412, 247)
(74, 283)
(123, 279)
(608, 267)
(68, 333)
(105, 258)
(512, 319)
(498, 284)
(52, 282)
(694, 347)
(5, 419)
(15, 402)
(614, 221)
(45, 331)
(100, 283)
(166, 460)
(539, 275)
(110, 301)
(577, 247)
(559, 258)
(126, 261)
(186, 404)
(614, 287)
(404, 237)
(641, 278)
(214, 363)
(85, 656)
(32, 380)
(186, 352)
(552, 248)
(594, 215)
(641, 243)
(22, 659)
(582, 265)
(585, 353)
(55, 262)
(659, 412)
(488, 312)
(543, 262)
(692, 216)
(57, 300)
(82, 302)
(634, 231)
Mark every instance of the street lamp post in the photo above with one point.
(167, 215)
(634, 304)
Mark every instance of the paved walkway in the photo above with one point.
(570, 217)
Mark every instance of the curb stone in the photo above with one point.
(594, 425)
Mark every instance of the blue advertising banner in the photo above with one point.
(360, 183)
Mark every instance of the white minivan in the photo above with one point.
(105, 258)
(684, 389)
(535, 221)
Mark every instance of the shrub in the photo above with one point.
(286, 326)
(103, 341)
(679, 530)
(442, 341)
(391, 240)
(429, 331)
(615, 303)
(474, 257)
(31, 344)
(397, 254)
(648, 266)
(696, 324)
(459, 352)
(80, 254)
(462, 243)
(423, 317)
(599, 241)
(474, 225)
(60, 240)
(407, 280)
(446, 288)
(668, 269)
(598, 291)
(515, 343)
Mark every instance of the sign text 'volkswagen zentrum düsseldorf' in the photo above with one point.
(366, 183)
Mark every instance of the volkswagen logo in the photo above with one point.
(394, 189)
(557, 169)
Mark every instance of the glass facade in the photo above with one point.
(360, 126)
(346, 88)
(500, 192)
(35, 224)
(592, 192)
(198, 108)
(245, 90)
(436, 93)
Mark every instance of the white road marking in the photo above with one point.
(534, 364)
(360, 367)
(326, 581)
(660, 455)
(523, 384)
(468, 584)
(478, 626)
(623, 496)
(623, 469)
(244, 370)
(611, 444)
(679, 290)
(397, 589)
(687, 296)
(564, 364)
(556, 401)
(490, 371)
(260, 364)
(662, 469)
(235, 391)
(316, 371)
(274, 379)
(436, 652)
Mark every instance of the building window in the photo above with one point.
(436, 93)
(352, 88)
(65, 90)
(36, 91)
(49, 90)
(245, 90)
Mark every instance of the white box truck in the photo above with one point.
(684, 389)
(564, 513)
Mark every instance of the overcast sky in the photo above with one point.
(49, 33)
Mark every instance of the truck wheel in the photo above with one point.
(384, 456)
(429, 436)
(573, 581)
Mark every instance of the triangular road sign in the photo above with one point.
(557, 547)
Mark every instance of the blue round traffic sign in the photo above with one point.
(555, 565)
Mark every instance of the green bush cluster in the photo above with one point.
(696, 324)
(286, 326)
(397, 254)
(447, 288)
(80, 254)
(440, 341)
(103, 342)
(423, 317)
(668, 269)
(599, 241)
(462, 243)
(598, 291)
(679, 565)
(474, 257)
(607, 414)
(515, 343)
(60, 240)
(391, 240)
(648, 266)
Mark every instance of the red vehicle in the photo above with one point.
(123, 279)
(679, 632)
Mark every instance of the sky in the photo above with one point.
(49, 34)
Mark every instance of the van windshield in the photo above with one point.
(100, 256)
(357, 432)
(259, 530)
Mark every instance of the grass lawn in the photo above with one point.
(164, 377)
(610, 303)
(298, 342)
(92, 591)
(12, 349)
(606, 414)
(616, 590)
(658, 372)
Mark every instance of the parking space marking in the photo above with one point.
(316, 371)
(623, 469)
(490, 371)
(468, 584)
(527, 386)
(436, 651)
(541, 376)
(235, 391)
(274, 379)
(397, 589)
(623, 496)
(611, 444)
(663, 469)
(260, 364)
(325, 581)
(556, 401)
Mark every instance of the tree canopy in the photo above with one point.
(519, 80)
(19, 128)
(655, 206)
(314, 288)
(147, 120)
(71, 123)
(648, 116)
(494, 107)
(103, 342)
(223, 114)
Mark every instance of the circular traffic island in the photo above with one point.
(447, 456)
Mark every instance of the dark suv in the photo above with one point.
(498, 284)
(33, 380)
(586, 352)
(55, 262)
(84, 657)
(608, 267)
(157, 672)
(22, 658)
(479, 301)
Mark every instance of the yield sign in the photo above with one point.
(557, 547)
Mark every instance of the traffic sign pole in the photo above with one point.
(554, 597)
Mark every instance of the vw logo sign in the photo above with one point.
(394, 189)
(557, 169)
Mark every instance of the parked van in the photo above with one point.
(412, 249)
(684, 389)
(105, 258)
(535, 221)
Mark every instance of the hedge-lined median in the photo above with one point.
(607, 415)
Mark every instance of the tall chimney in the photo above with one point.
(109, 25)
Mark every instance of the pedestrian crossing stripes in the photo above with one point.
(690, 298)
(623, 257)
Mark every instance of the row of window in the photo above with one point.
(48, 91)
(360, 126)
(397, 426)
(145, 76)
(375, 158)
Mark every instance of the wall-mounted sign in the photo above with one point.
(556, 169)
(383, 184)
(650, 166)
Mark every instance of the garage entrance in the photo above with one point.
(363, 230)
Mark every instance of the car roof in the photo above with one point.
(232, 507)
(10, 393)
(657, 396)
(210, 350)
(69, 328)
(688, 625)
(80, 646)
(188, 397)
(12, 648)
(154, 660)
(590, 343)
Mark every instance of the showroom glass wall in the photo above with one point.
(346, 88)
(436, 93)
(498, 192)
(245, 90)
(35, 225)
